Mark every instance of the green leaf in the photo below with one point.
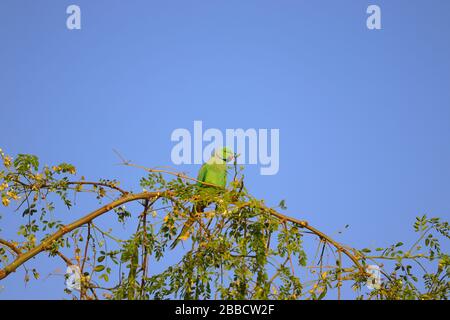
(282, 205)
(99, 268)
(24, 163)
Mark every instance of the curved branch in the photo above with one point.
(173, 173)
(322, 235)
(18, 252)
(66, 260)
(10, 246)
(45, 244)
(304, 224)
(111, 186)
(93, 183)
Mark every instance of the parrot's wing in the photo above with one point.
(202, 174)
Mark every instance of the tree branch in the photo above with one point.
(11, 246)
(323, 236)
(45, 244)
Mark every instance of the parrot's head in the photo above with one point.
(225, 154)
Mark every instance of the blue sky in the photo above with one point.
(364, 116)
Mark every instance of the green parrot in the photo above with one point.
(213, 172)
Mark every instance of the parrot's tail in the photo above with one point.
(196, 209)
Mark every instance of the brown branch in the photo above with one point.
(145, 251)
(69, 263)
(45, 244)
(173, 173)
(339, 276)
(303, 224)
(102, 184)
(65, 259)
(11, 246)
(86, 247)
(111, 186)
(128, 197)
(321, 235)
(88, 238)
(18, 252)
(289, 253)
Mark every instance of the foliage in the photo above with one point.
(237, 249)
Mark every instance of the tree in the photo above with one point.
(239, 247)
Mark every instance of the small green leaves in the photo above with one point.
(26, 162)
(35, 274)
(238, 248)
(99, 268)
(282, 205)
(104, 276)
(122, 213)
(64, 168)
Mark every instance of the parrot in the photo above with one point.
(212, 172)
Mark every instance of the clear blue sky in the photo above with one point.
(364, 116)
